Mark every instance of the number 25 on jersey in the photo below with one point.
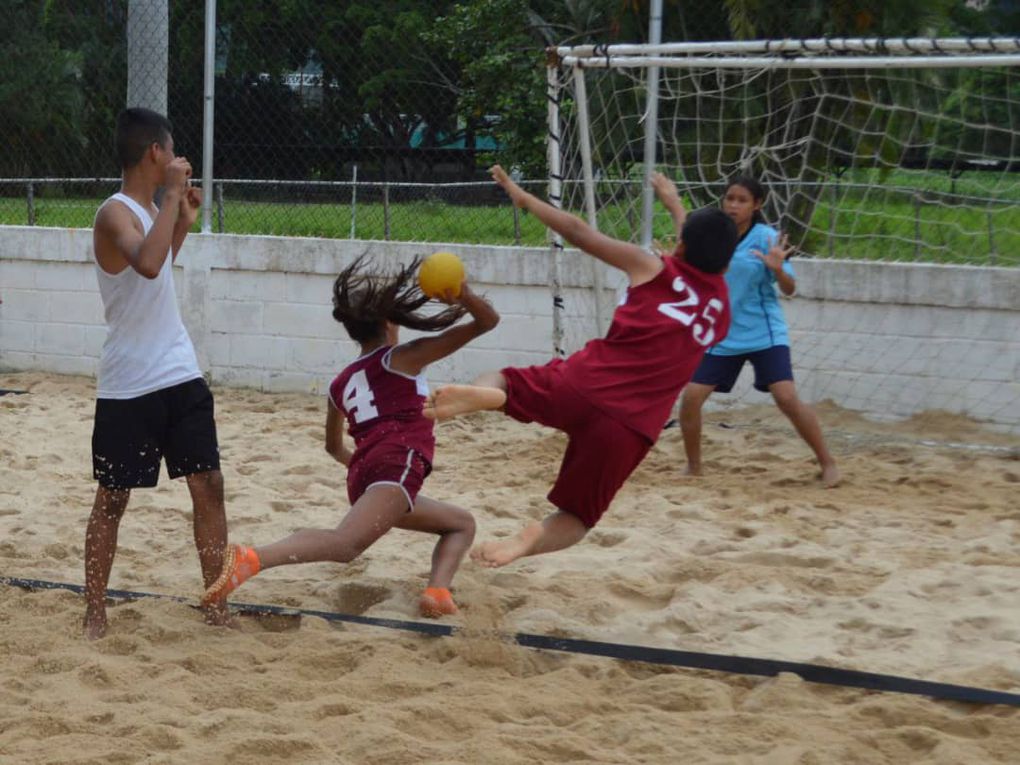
(686, 311)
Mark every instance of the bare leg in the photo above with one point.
(209, 523)
(456, 529)
(694, 398)
(556, 532)
(100, 548)
(376, 512)
(488, 392)
(805, 421)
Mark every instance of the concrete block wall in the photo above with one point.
(259, 308)
(889, 339)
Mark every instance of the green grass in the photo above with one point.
(872, 224)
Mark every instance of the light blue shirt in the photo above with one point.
(757, 318)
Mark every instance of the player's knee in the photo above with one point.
(346, 550)
(466, 525)
(208, 482)
(111, 503)
(690, 409)
(788, 404)
(786, 400)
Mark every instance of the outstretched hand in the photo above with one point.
(515, 192)
(666, 191)
(778, 252)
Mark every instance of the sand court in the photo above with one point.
(910, 568)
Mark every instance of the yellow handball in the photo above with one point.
(440, 272)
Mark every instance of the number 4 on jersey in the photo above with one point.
(703, 330)
(359, 401)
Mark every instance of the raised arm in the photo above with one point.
(118, 238)
(412, 357)
(640, 266)
(666, 191)
(774, 260)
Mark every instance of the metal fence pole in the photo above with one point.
(209, 90)
(386, 211)
(992, 255)
(31, 204)
(219, 207)
(517, 177)
(354, 200)
(832, 219)
(917, 226)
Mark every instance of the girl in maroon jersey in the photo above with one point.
(380, 396)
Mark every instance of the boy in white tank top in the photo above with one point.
(152, 402)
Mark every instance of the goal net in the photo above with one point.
(900, 151)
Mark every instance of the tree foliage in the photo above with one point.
(404, 88)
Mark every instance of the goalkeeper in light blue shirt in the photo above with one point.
(758, 331)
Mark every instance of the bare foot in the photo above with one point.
(496, 554)
(94, 625)
(693, 469)
(452, 400)
(831, 476)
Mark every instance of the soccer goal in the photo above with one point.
(894, 150)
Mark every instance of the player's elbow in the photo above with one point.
(488, 322)
(148, 271)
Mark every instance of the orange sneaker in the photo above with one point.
(240, 564)
(436, 602)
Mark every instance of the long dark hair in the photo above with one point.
(364, 302)
(758, 193)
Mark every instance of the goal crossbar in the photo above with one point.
(910, 46)
(828, 62)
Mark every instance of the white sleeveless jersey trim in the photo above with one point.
(147, 347)
(421, 383)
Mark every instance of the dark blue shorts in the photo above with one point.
(771, 365)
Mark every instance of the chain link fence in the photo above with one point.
(340, 120)
(355, 118)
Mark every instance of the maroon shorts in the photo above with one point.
(389, 465)
(601, 452)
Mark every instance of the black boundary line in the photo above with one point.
(812, 673)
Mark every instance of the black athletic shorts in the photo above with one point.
(131, 436)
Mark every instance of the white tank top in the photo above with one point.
(147, 347)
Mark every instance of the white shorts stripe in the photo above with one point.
(407, 467)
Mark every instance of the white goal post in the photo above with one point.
(912, 90)
(894, 150)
